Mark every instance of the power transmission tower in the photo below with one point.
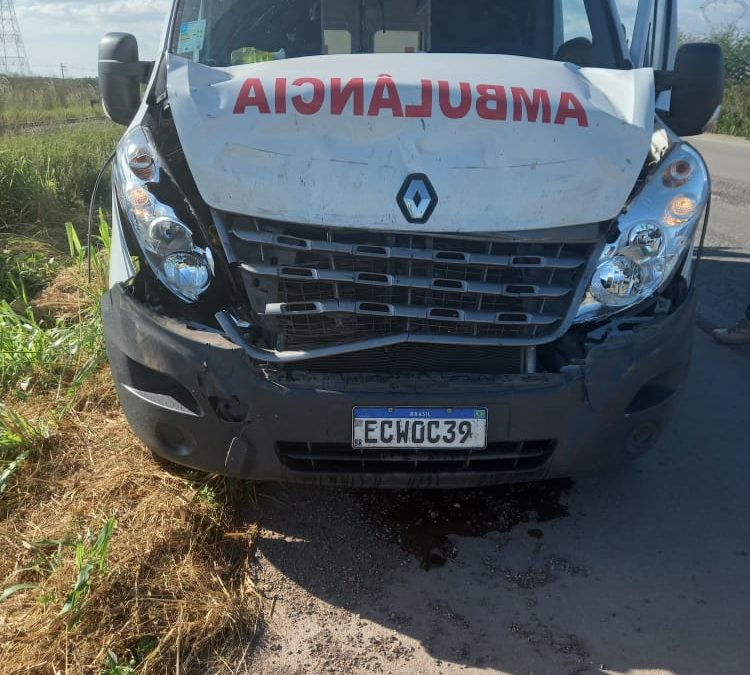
(13, 59)
(723, 13)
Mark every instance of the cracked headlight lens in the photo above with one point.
(655, 232)
(166, 242)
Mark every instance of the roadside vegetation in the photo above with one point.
(735, 118)
(108, 564)
(25, 100)
(46, 177)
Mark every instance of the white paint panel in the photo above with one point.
(346, 170)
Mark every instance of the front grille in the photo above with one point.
(506, 457)
(315, 286)
(407, 358)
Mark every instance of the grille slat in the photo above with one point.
(315, 286)
(409, 456)
(502, 457)
(425, 255)
(332, 306)
(409, 359)
(385, 280)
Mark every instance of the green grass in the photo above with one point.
(46, 180)
(17, 119)
(26, 266)
(19, 439)
(41, 99)
(37, 356)
(735, 116)
(90, 554)
(90, 560)
(46, 177)
(735, 44)
(112, 666)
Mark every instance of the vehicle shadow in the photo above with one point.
(644, 568)
(397, 559)
(571, 594)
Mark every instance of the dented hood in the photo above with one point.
(508, 143)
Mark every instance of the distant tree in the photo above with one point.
(736, 47)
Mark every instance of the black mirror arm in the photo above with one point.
(666, 79)
(139, 69)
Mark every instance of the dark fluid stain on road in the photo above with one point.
(421, 521)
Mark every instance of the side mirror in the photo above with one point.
(697, 84)
(121, 75)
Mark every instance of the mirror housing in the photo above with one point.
(121, 74)
(697, 84)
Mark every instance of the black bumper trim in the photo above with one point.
(584, 409)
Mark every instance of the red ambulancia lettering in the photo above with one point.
(252, 94)
(280, 102)
(538, 99)
(353, 89)
(385, 97)
(492, 103)
(314, 105)
(424, 109)
(571, 109)
(448, 109)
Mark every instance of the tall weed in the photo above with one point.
(37, 355)
(33, 99)
(46, 178)
(90, 558)
(19, 439)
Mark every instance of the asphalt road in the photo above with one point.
(724, 280)
(646, 570)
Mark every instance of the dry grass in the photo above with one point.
(176, 593)
(63, 300)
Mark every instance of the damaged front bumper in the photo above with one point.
(197, 399)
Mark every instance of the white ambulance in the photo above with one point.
(405, 242)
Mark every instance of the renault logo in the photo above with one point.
(417, 198)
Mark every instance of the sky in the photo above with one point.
(58, 32)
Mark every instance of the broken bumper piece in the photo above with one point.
(197, 399)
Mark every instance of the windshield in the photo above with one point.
(235, 32)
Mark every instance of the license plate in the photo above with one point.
(437, 428)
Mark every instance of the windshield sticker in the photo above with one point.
(312, 96)
(192, 36)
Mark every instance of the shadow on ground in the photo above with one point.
(646, 568)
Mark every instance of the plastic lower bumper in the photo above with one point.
(197, 399)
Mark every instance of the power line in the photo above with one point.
(54, 70)
(12, 51)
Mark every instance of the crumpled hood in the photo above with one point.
(508, 143)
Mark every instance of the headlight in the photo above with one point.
(654, 233)
(166, 242)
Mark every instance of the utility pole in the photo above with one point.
(13, 59)
(62, 71)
